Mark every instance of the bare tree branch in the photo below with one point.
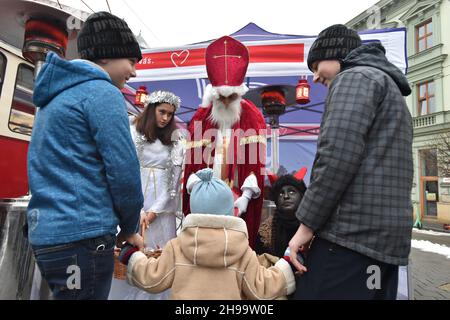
(441, 144)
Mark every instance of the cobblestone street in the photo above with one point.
(430, 272)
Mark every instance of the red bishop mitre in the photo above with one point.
(226, 62)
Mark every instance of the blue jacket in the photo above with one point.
(82, 164)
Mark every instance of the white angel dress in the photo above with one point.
(160, 177)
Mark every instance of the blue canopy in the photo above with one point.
(274, 59)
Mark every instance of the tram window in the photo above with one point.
(2, 70)
(22, 110)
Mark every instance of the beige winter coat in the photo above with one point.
(211, 259)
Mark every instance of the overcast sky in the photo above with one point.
(171, 23)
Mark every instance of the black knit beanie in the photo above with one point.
(333, 43)
(105, 36)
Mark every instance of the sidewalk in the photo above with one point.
(430, 276)
(433, 225)
(429, 261)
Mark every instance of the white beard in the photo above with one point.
(225, 117)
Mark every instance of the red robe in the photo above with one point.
(248, 151)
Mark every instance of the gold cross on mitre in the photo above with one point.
(225, 56)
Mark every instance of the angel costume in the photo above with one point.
(160, 177)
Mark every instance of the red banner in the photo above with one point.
(196, 57)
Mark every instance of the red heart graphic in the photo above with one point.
(179, 58)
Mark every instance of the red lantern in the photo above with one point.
(302, 92)
(141, 95)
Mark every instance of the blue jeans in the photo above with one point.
(80, 270)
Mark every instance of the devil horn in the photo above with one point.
(300, 174)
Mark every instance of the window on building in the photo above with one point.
(424, 36)
(22, 110)
(426, 98)
(2, 70)
(428, 160)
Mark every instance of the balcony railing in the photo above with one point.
(424, 121)
(431, 119)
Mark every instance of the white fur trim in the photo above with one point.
(194, 220)
(212, 93)
(207, 96)
(284, 266)
(133, 259)
(227, 91)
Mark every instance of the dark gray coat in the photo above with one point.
(360, 191)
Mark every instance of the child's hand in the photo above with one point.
(136, 240)
(287, 257)
(126, 252)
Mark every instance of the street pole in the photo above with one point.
(275, 151)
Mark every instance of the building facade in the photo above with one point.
(428, 46)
